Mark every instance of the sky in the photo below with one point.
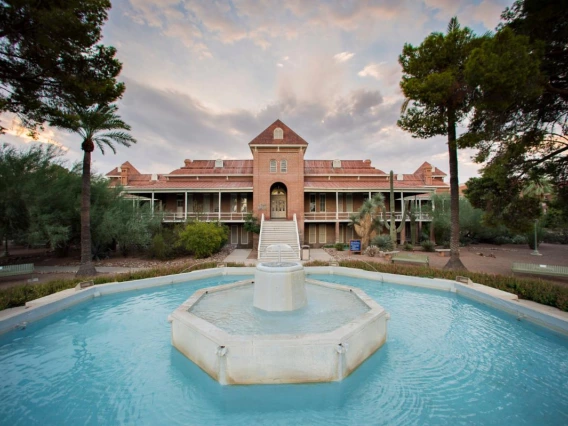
(204, 77)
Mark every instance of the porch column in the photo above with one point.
(152, 204)
(402, 219)
(337, 205)
(219, 209)
(336, 231)
(185, 208)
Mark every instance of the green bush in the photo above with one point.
(519, 239)
(408, 247)
(339, 246)
(202, 239)
(502, 239)
(158, 249)
(383, 242)
(427, 245)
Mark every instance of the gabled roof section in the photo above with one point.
(348, 167)
(435, 171)
(267, 136)
(207, 167)
(131, 170)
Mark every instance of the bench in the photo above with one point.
(388, 254)
(411, 258)
(532, 268)
(10, 270)
(442, 252)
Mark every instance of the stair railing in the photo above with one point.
(260, 235)
(297, 236)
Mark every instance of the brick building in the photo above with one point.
(277, 184)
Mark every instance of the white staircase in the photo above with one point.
(279, 232)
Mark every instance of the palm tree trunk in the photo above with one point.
(454, 262)
(86, 268)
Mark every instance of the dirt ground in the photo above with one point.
(490, 259)
(478, 258)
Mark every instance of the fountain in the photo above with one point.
(278, 328)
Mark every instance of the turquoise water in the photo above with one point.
(447, 361)
(233, 310)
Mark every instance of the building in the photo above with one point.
(278, 184)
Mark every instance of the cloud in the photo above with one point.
(343, 56)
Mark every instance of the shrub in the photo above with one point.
(502, 239)
(202, 239)
(371, 251)
(339, 246)
(158, 248)
(519, 239)
(383, 242)
(408, 247)
(427, 245)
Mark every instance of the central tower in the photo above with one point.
(278, 173)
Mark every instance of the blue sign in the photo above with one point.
(355, 245)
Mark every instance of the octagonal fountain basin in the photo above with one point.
(221, 330)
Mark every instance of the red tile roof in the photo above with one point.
(207, 167)
(163, 184)
(370, 185)
(353, 167)
(131, 170)
(266, 137)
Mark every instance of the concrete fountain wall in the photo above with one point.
(278, 358)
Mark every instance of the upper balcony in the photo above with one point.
(344, 216)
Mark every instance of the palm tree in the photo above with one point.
(100, 126)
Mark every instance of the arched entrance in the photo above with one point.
(278, 201)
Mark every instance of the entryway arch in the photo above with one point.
(278, 203)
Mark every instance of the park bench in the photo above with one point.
(443, 252)
(410, 258)
(10, 270)
(388, 254)
(533, 268)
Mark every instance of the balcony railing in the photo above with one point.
(206, 217)
(343, 216)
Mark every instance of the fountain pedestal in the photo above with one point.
(279, 286)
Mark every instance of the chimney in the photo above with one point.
(124, 176)
(428, 175)
(187, 162)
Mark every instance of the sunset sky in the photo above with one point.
(205, 77)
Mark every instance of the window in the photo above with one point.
(336, 164)
(283, 166)
(312, 237)
(322, 233)
(243, 203)
(234, 202)
(272, 166)
(278, 133)
(206, 203)
(218, 164)
(312, 202)
(349, 203)
(322, 202)
(340, 203)
(190, 203)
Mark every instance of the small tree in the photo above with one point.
(391, 223)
